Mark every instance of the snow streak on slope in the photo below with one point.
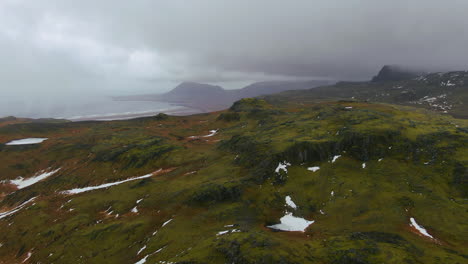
(106, 185)
(420, 229)
(23, 183)
(16, 209)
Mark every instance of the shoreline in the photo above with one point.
(182, 111)
(176, 109)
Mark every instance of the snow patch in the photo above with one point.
(106, 185)
(141, 249)
(313, 169)
(292, 223)
(26, 141)
(167, 222)
(143, 260)
(21, 183)
(220, 233)
(16, 209)
(332, 193)
(27, 257)
(420, 229)
(135, 210)
(364, 165)
(282, 166)
(290, 202)
(212, 133)
(335, 158)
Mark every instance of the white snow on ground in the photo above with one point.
(27, 257)
(141, 249)
(16, 209)
(143, 260)
(282, 166)
(349, 107)
(228, 225)
(21, 183)
(313, 169)
(321, 212)
(332, 193)
(135, 210)
(139, 201)
(212, 133)
(290, 202)
(220, 233)
(26, 141)
(335, 158)
(167, 222)
(292, 223)
(106, 185)
(421, 229)
(364, 165)
(159, 250)
(380, 159)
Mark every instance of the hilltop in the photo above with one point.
(395, 73)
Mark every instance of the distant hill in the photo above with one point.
(442, 92)
(10, 120)
(194, 91)
(395, 73)
(206, 97)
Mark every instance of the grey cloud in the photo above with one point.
(90, 44)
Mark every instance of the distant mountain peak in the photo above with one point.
(395, 73)
(194, 86)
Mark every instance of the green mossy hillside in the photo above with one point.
(212, 195)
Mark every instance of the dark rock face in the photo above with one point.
(394, 73)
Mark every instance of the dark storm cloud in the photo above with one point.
(65, 45)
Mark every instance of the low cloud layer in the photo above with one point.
(68, 47)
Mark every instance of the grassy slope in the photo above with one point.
(229, 179)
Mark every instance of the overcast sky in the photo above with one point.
(68, 47)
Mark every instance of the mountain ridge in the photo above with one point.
(444, 92)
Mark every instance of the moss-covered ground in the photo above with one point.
(415, 166)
